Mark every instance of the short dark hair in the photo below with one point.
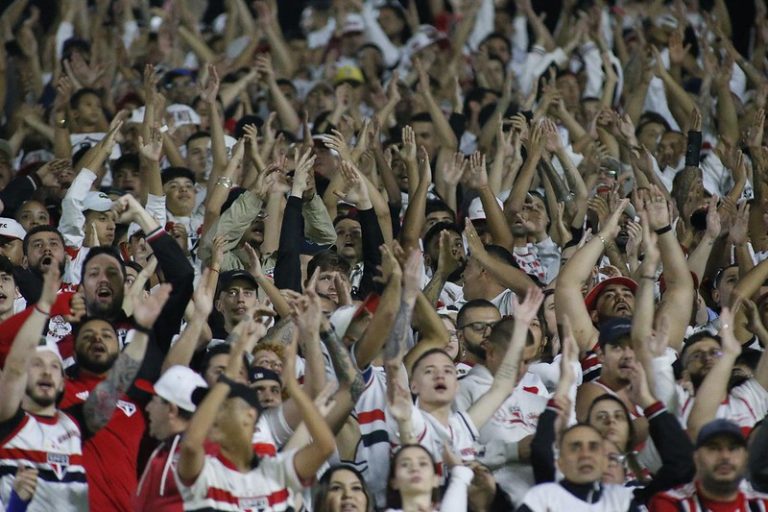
(421, 117)
(126, 160)
(7, 267)
(472, 304)
(138, 268)
(74, 101)
(648, 118)
(43, 228)
(210, 353)
(574, 427)
(438, 205)
(697, 337)
(327, 261)
(109, 251)
(439, 228)
(77, 327)
(200, 134)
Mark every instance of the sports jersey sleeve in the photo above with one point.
(282, 469)
(418, 426)
(754, 395)
(455, 498)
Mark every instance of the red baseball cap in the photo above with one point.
(591, 299)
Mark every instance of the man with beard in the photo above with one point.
(35, 432)
(101, 370)
(473, 325)
(614, 297)
(720, 389)
(618, 359)
(721, 464)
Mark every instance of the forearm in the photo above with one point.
(698, 258)
(435, 287)
(288, 266)
(509, 276)
(711, 394)
(314, 371)
(101, 403)
(184, 349)
(394, 347)
(413, 222)
(727, 118)
(523, 183)
(374, 338)
(497, 224)
(289, 120)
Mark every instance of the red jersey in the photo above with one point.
(157, 490)
(110, 456)
(688, 498)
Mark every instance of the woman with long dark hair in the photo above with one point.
(340, 488)
(414, 482)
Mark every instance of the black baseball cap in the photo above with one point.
(227, 278)
(614, 330)
(718, 428)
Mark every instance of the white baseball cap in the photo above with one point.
(476, 211)
(183, 114)
(97, 201)
(176, 385)
(9, 228)
(353, 23)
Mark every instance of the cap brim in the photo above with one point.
(591, 299)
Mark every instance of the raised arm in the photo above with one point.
(192, 451)
(413, 222)
(714, 388)
(678, 298)
(101, 403)
(13, 379)
(506, 377)
(568, 298)
(308, 459)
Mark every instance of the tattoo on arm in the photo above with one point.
(281, 332)
(346, 371)
(102, 401)
(395, 345)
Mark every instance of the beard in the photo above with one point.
(96, 367)
(110, 310)
(476, 350)
(40, 400)
(721, 487)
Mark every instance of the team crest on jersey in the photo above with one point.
(58, 463)
(127, 407)
(254, 504)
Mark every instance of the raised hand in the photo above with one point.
(390, 267)
(714, 226)
(528, 309)
(356, 190)
(412, 275)
(447, 261)
(657, 208)
(307, 313)
(476, 176)
(755, 134)
(611, 228)
(152, 149)
(338, 143)
(51, 285)
(408, 151)
(453, 169)
(210, 91)
(739, 232)
(145, 312)
(399, 401)
(476, 247)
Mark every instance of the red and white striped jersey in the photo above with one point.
(745, 405)
(269, 487)
(271, 432)
(53, 445)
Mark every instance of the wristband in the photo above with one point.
(142, 329)
(693, 149)
(226, 380)
(663, 230)
(40, 310)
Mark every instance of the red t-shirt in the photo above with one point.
(688, 497)
(110, 456)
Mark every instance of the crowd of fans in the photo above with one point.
(417, 255)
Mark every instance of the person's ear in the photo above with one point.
(25, 261)
(593, 315)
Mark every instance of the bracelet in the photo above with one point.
(224, 182)
(142, 329)
(40, 310)
(602, 239)
(663, 230)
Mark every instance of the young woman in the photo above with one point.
(414, 483)
(342, 488)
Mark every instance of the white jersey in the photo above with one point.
(373, 450)
(745, 405)
(53, 446)
(460, 434)
(552, 497)
(269, 487)
(515, 419)
(271, 433)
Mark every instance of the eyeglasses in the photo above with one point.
(702, 356)
(479, 326)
